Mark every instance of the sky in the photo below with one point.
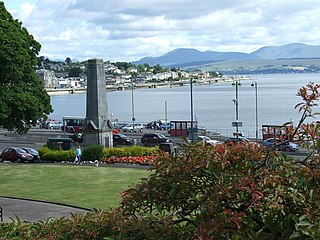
(128, 30)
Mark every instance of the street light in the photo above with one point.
(166, 114)
(236, 124)
(132, 104)
(255, 85)
(191, 108)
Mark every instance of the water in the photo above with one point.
(213, 104)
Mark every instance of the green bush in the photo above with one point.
(47, 154)
(92, 152)
(133, 151)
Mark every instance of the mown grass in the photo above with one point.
(85, 186)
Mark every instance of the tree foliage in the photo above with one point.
(75, 72)
(23, 99)
(123, 65)
(242, 191)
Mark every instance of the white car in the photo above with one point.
(137, 127)
(55, 125)
(208, 141)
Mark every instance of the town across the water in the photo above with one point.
(59, 77)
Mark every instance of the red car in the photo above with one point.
(115, 131)
(16, 155)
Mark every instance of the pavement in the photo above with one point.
(34, 211)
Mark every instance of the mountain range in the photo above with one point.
(186, 57)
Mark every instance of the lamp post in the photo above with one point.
(191, 108)
(132, 104)
(236, 124)
(166, 114)
(255, 85)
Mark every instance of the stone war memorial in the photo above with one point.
(98, 128)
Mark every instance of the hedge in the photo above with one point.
(93, 152)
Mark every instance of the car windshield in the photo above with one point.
(205, 138)
(31, 150)
(161, 135)
(19, 150)
(122, 135)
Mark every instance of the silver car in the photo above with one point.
(137, 127)
(281, 145)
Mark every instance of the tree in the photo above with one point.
(23, 99)
(123, 65)
(75, 72)
(157, 69)
(240, 192)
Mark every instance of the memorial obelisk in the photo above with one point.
(98, 129)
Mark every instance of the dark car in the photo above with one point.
(150, 125)
(235, 140)
(165, 126)
(33, 152)
(15, 155)
(121, 140)
(153, 139)
(280, 145)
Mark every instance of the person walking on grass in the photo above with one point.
(78, 155)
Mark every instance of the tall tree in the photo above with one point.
(23, 99)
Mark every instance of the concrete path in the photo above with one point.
(34, 211)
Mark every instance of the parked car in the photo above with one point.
(121, 140)
(235, 140)
(208, 140)
(151, 125)
(15, 155)
(45, 124)
(153, 139)
(33, 152)
(165, 126)
(281, 145)
(115, 130)
(137, 127)
(159, 125)
(120, 125)
(54, 125)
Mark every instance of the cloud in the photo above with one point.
(123, 30)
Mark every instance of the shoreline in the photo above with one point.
(67, 91)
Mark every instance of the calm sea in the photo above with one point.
(213, 105)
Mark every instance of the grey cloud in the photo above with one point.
(136, 28)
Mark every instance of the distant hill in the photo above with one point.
(293, 50)
(185, 57)
(188, 56)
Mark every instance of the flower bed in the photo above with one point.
(143, 160)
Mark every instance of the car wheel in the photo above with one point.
(19, 160)
(287, 149)
(131, 130)
(1, 159)
(141, 129)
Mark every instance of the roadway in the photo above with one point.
(37, 137)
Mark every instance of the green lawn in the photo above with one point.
(85, 186)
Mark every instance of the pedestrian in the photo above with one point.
(79, 137)
(78, 155)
